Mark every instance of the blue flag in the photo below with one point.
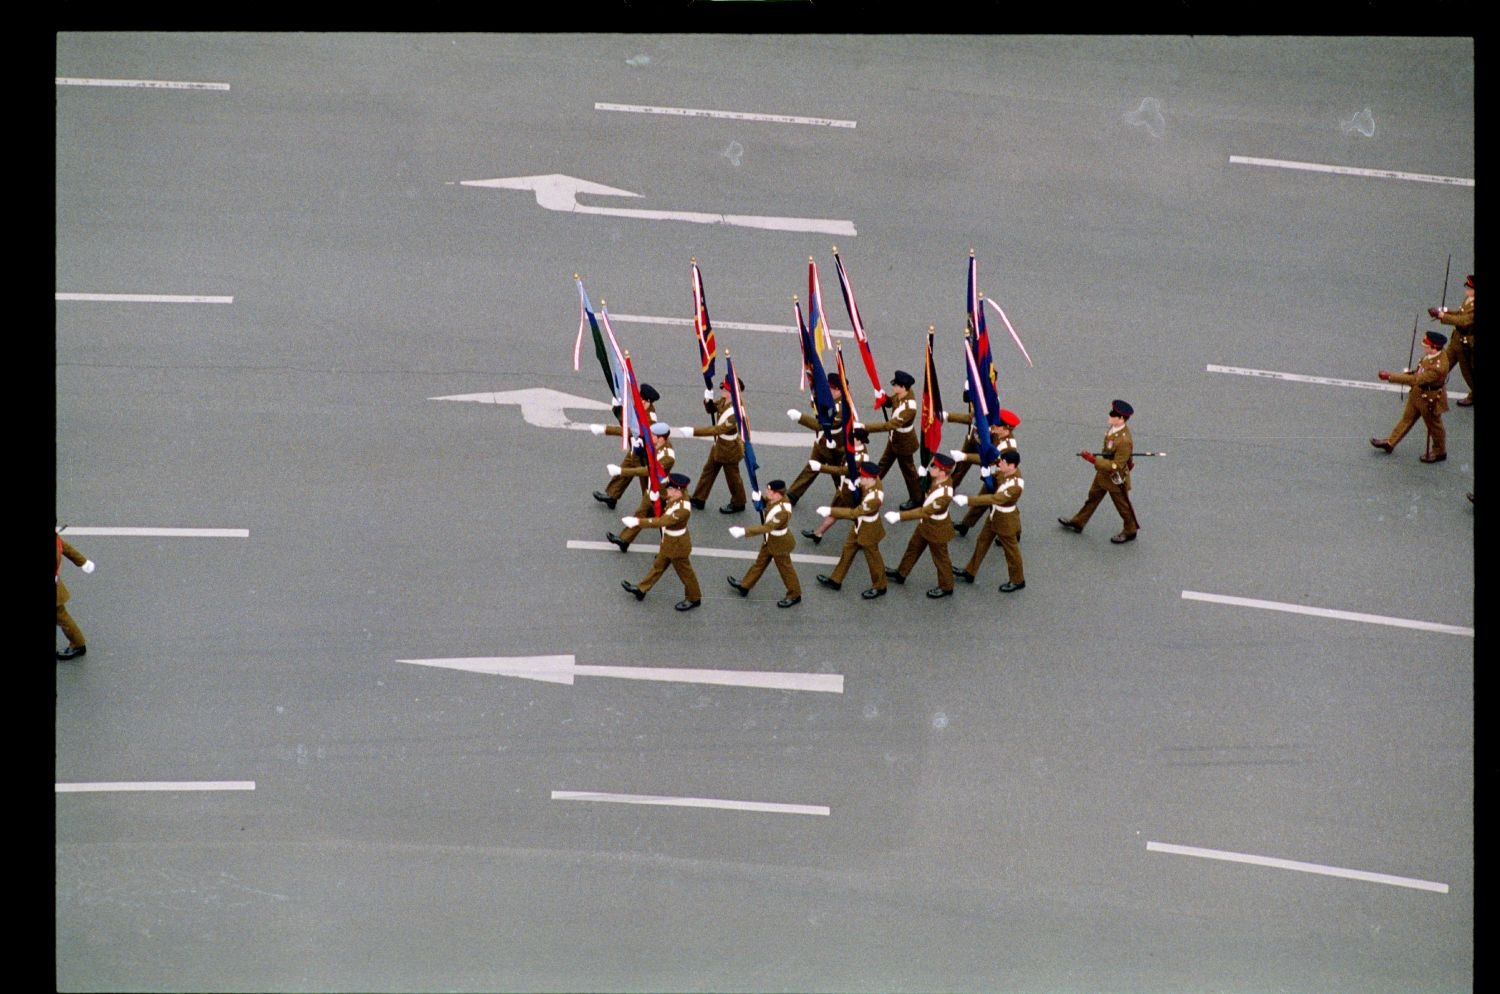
(751, 465)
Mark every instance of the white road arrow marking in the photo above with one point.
(543, 407)
(562, 669)
(557, 192)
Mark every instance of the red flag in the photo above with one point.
(657, 479)
(859, 333)
(707, 347)
(932, 405)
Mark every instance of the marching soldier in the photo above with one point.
(1002, 526)
(934, 530)
(970, 444)
(864, 535)
(1460, 348)
(76, 642)
(1112, 465)
(903, 443)
(847, 492)
(777, 546)
(1002, 436)
(828, 447)
(619, 481)
(661, 438)
(726, 454)
(1427, 399)
(676, 545)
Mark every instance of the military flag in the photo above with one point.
(657, 479)
(859, 333)
(617, 374)
(707, 347)
(586, 316)
(813, 373)
(932, 406)
(751, 465)
(850, 415)
(815, 319)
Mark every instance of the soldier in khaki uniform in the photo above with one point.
(661, 438)
(828, 447)
(1003, 524)
(76, 643)
(846, 494)
(1461, 346)
(1427, 399)
(676, 545)
(726, 454)
(776, 547)
(934, 530)
(634, 458)
(1112, 465)
(1003, 437)
(864, 535)
(903, 443)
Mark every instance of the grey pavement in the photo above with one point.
(996, 765)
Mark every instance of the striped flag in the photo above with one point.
(850, 416)
(586, 316)
(707, 348)
(658, 476)
(751, 465)
(617, 374)
(932, 406)
(859, 333)
(815, 318)
(813, 373)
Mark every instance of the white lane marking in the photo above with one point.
(1322, 380)
(1292, 864)
(784, 329)
(733, 114)
(698, 550)
(1316, 167)
(157, 785)
(557, 192)
(1325, 612)
(151, 84)
(145, 298)
(564, 669)
(691, 802)
(161, 532)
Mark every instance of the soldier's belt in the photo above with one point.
(1006, 510)
(674, 532)
(778, 532)
(869, 518)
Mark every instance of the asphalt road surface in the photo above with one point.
(1235, 755)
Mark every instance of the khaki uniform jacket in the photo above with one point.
(728, 447)
(1429, 381)
(830, 447)
(1113, 459)
(902, 426)
(676, 543)
(933, 514)
(1005, 511)
(1461, 319)
(778, 536)
(869, 527)
(666, 455)
(64, 548)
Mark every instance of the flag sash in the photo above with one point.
(1012, 330)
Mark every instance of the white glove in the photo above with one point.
(88, 566)
(654, 495)
(857, 424)
(942, 415)
(755, 495)
(892, 517)
(986, 471)
(794, 414)
(814, 465)
(630, 521)
(824, 511)
(736, 531)
(683, 431)
(612, 469)
(708, 394)
(961, 500)
(597, 429)
(848, 483)
(957, 454)
(921, 470)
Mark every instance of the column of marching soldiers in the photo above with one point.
(839, 451)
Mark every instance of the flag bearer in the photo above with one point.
(903, 443)
(934, 530)
(1003, 524)
(864, 535)
(619, 481)
(661, 438)
(676, 545)
(727, 452)
(777, 546)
